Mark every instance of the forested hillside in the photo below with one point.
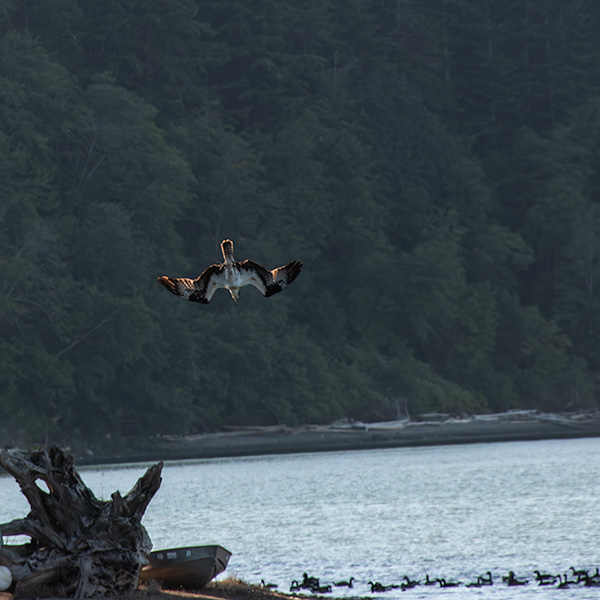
(434, 163)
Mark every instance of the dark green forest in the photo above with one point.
(435, 164)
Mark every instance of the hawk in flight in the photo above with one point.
(232, 275)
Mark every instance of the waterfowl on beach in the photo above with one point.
(544, 578)
(512, 579)
(444, 583)
(309, 582)
(378, 587)
(594, 579)
(563, 584)
(581, 574)
(579, 577)
(482, 580)
(345, 583)
(270, 586)
(409, 583)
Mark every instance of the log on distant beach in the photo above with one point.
(80, 546)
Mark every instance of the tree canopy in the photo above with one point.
(434, 164)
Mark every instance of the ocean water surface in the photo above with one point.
(378, 515)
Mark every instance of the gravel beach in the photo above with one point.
(419, 431)
(228, 589)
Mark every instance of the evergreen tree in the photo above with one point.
(433, 164)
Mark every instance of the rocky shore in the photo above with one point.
(421, 430)
(228, 589)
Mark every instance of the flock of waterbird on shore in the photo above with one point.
(572, 578)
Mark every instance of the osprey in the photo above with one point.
(232, 275)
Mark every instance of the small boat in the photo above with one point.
(191, 567)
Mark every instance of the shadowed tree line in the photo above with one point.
(434, 164)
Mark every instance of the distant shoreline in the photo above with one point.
(254, 441)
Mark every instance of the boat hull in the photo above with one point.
(191, 567)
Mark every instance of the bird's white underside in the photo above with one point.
(233, 279)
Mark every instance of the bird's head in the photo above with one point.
(235, 293)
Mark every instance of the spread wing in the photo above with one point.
(200, 290)
(270, 282)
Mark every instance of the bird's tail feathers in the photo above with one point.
(227, 249)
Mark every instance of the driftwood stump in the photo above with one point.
(80, 546)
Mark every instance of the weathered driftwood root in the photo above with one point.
(80, 546)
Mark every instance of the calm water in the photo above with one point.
(450, 511)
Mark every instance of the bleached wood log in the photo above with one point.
(80, 546)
